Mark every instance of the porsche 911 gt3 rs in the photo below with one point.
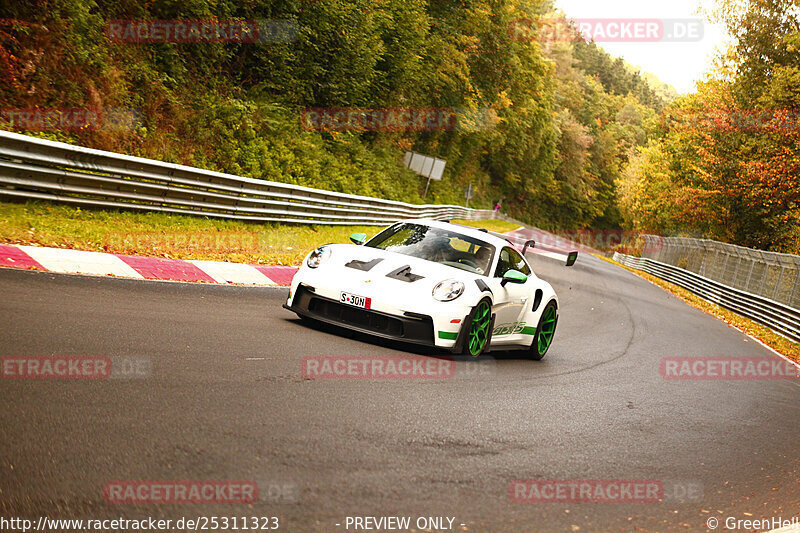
(433, 283)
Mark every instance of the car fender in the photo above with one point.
(541, 295)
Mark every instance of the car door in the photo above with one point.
(511, 299)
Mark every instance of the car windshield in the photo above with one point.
(437, 245)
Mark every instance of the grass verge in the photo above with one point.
(175, 236)
(778, 343)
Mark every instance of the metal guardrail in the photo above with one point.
(32, 168)
(775, 315)
(769, 274)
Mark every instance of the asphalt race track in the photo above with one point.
(224, 399)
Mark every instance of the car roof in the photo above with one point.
(476, 233)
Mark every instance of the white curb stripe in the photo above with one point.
(233, 273)
(80, 262)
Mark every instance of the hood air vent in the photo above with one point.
(366, 266)
(404, 274)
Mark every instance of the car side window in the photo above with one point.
(503, 264)
(519, 262)
(510, 259)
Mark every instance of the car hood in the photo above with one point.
(390, 269)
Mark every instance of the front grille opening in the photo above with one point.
(356, 317)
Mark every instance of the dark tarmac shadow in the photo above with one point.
(410, 348)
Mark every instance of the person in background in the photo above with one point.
(497, 206)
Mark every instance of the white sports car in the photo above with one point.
(432, 283)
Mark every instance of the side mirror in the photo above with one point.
(528, 244)
(571, 258)
(358, 238)
(513, 276)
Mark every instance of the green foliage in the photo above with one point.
(726, 164)
(545, 129)
(617, 77)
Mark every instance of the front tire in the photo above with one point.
(545, 332)
(479, 332)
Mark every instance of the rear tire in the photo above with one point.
(545, 332)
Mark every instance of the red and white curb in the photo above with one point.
(68, 261)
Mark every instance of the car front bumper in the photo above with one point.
(408, 327)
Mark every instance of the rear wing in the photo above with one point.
(553, 253)
(569, 259)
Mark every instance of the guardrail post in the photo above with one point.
(777, 285)
(657, 247)
(794, 289)
(736, 269)
(725, 266)
(698, 257)
(750, 274)
(669, 254)
(762, 288)
(712, 266)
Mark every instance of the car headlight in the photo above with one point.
(318, 256)
(448, 290)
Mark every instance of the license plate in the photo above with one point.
(355, 300)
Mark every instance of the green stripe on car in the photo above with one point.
(447, 335)
(513, 328)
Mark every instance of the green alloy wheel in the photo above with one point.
(545, 332)
(478, 335)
